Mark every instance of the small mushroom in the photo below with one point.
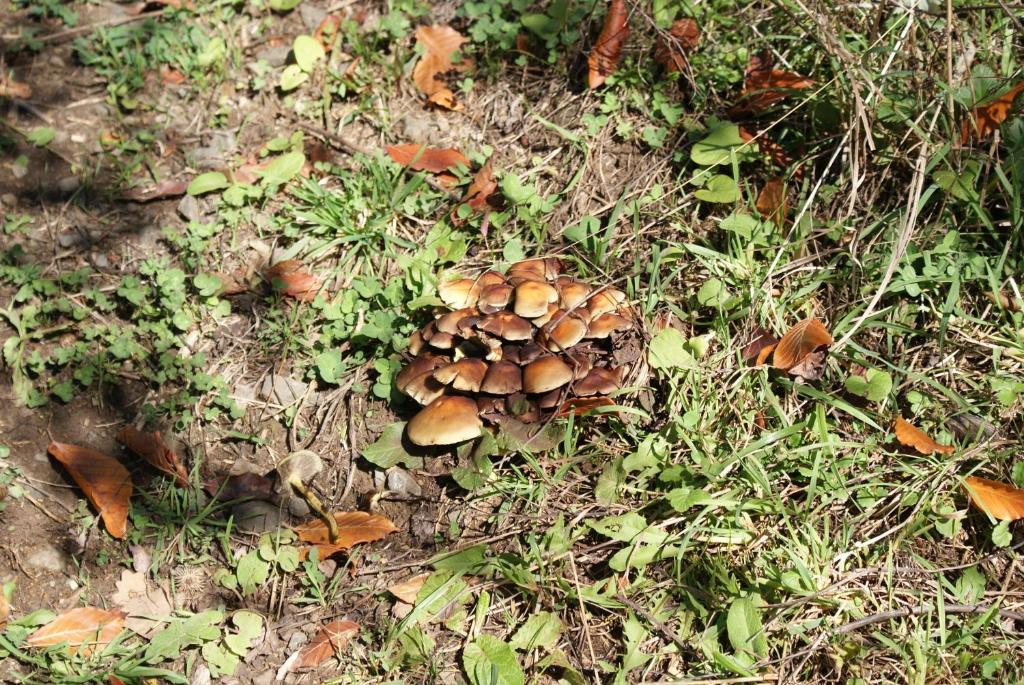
(605, 301)
(527, 270)
(544, 374)
(415, 343)
(546, 317)
(458, 293)
(600, 381)
(447, 420)
(533, 298)
(494, 298)
(507, 325)
(417, 381)
(607, 324)
(572, 293)
(297, 469)
(465, 374)
(449, 323)
(442, 341)
(503, 378)
(529, 352)
(564, 331)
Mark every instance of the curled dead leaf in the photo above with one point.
(763, 86)
(479, 193)
(83, 630)
(151, 447)
(607, 52)
(583, 405)
(760, 346)
(799, 353)
(771, 201)
(999, 500)
(909, 435)
(171, 77)
(9, 88)
(985, 119)
(354, 527)
(105, 482)
(422, 158)
(440, 43)
(670, 52)
(407, 590)
(328, 641)
(291, 278)
(327, 30)
(157, 191)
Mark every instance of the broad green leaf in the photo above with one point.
(874, 386)
(712, 293)
(221, 662)
(292, 77)
(283, 169)
(606, 490)
(329, 366)
(207, 284)
(540, 630)
(205, 183)
(389, 449)
(720, 189)
(42, 136)
(284, 5)
(489, 661)
(252, 571)
(212, 53)
(745, 628)
(250, 626)
(182, 633)
(668, 351)
(308, 52)
(720, 145)
(961, 186)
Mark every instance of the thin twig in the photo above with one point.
(68, 34)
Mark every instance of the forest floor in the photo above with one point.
(742, 514)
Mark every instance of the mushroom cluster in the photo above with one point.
(518, 345)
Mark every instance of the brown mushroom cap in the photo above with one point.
(529, 269)
(599, 381)
(529, 352)
(546, 373)
(415, 343)
(507, 325)
(580, 362)
(533, 298)
(442, 341)
(572, 293)
(417, 381)
(605, 301)
(564, 331)
(458, 293)
(445, 421)
(494, 298)
(449, 323)
(606, 324)
(550, 399)
(465, 374)
(503, 378)
(546, 316)
(487, 279)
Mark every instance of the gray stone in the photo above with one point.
(189, 209)
(200, 676)
(417, 127)
(275, 56)
(265, 678)
(256, 516)
(285, 391)
(149, 237)
(311, 15)
(100, 261)
(68, 184)
(296, 640)
(9, 199)
(402, 482)
(48, 558)
(71, 239)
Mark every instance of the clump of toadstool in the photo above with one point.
(523, 345)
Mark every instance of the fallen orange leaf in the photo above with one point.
(408, 589)
(764, 86)
(759, 347)
(5, 609)
(771, 201)
(291, 278)
(909, 435)
(172, 77)
(1001, 501)
(439, 43)
(798, 351)
(84, 627)
(151, 447)
(9, 88)
(670, 53)
(608, 49)
(482, 187)
(582, 405)
(988, 117)
(105, 482)
(422, 158)
(327, 30)
(354, 527)
(772, 149)
(329, 640)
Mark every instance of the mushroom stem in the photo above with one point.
(314, 503)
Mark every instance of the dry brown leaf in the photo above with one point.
(142, 603)
(778, 154)
(157, 191)
(354, 527)
(5, 609)
(1001, 501)
(909, 435)
(683, 38)
(771, 201)
(9, 88)
(583, 405)
(608, 49)
(794, 352)
(327, 30)
(151, 447)
(83, 629)
(483, 186)
(764, 86)
(988, 117)
(755, 350)
(439, 43)
(422, 158)
(328, 641)
(408, 589)
(171, 77)
(291, 278)
(105, 482)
